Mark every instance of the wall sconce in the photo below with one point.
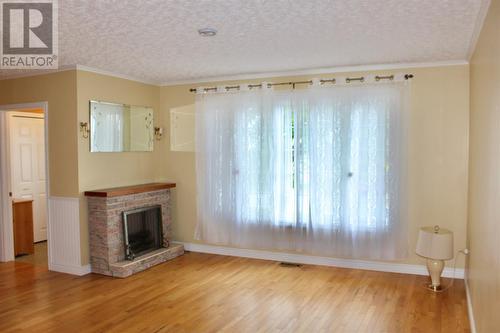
(84, 129)
(158, 133)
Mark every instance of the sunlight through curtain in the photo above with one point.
(317, 170)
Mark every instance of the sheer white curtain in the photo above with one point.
(318, 170)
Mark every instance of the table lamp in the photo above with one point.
(436, 245)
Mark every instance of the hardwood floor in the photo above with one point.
(211, 293)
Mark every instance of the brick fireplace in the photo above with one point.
(106, 211)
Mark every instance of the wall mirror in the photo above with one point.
(120, 127)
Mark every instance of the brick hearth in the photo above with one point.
(107, 245)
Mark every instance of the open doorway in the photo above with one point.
(24, 184)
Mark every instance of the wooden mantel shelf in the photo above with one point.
(126, 190)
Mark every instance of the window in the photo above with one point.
(302, 169)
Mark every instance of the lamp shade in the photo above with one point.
(435, 243)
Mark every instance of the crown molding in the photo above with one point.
(77, 68)
(481, 17)
(317, 71)
(113, 74)
(37, 72)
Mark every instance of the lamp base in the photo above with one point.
(435, 268)
(435, 289)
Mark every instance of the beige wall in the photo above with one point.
(59, 90)
(438, 149)
(484, 195)
(73, 169)
(102, 170)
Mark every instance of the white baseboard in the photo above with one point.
(68, 269)
(469, 308)
(322, 261)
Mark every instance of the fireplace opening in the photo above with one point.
(143, 231)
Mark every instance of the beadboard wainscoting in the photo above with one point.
(64, 236)
(381, 266)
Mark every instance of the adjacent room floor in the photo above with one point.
(38, 258)
(211, 293)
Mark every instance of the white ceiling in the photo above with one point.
(157, 41)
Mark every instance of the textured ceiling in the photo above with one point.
(157, 40)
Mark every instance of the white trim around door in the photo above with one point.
(6, 228)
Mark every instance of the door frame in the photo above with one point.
(6, 224)
(27, 114)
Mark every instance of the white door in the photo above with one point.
(27, 161)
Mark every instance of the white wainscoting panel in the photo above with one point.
(64, 236)
(382, 266)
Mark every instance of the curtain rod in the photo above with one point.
(293, 83)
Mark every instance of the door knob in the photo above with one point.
(10, 194)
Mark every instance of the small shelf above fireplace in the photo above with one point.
(126, 190)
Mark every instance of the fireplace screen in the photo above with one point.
(143, 231)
